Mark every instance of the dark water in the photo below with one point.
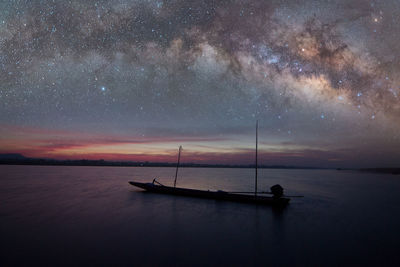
(92, 216)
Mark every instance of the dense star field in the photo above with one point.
(133, 80)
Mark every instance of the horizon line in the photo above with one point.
(20, 158)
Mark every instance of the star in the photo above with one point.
(172, 68)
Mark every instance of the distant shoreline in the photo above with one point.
(18, 159)
(103, 163)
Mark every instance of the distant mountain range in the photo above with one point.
(11, 156)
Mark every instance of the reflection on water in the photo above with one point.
(91, 215)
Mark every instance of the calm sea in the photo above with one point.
(92, 216)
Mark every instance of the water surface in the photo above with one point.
(62, 215)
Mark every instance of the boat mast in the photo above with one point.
(177, 165)
(255, 191)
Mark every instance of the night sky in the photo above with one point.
(133, 80)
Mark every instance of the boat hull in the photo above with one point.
(218, 195)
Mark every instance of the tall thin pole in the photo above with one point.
(255, 191)
(177, 165)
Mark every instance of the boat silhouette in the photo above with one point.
(277, 198)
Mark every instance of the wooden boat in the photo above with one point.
(251, 197)
(217, 195)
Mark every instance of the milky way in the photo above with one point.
(135, 79)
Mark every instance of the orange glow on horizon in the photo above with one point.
(43, 143)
